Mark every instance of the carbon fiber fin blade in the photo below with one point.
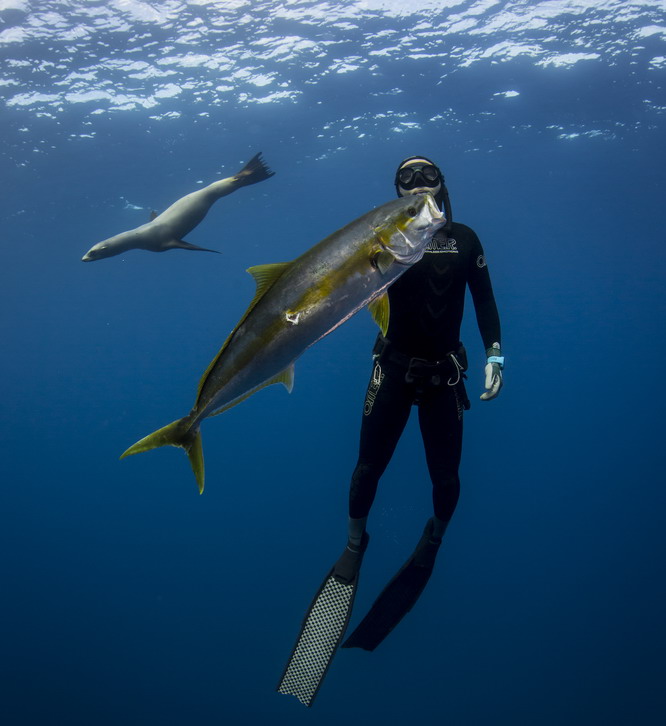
(323, 628)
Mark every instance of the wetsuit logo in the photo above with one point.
(460, 404)
(481, 261)
(442, 244)
(373, 389)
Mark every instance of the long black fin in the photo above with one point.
(398, 597)
(323, 628)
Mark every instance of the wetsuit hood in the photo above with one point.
(442, 196)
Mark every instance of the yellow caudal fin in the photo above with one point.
(195, 455)
(177, 433)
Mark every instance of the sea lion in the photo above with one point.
(166, 231)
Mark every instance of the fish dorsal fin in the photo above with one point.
(264, 276)
(379, 309)
(153, 215)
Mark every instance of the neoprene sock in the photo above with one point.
(355, 529)
(438, 528)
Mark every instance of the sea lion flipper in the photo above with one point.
(181, 244)
(254, 171)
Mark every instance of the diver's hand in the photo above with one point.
(493, 372)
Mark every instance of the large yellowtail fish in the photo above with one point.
(298, 303)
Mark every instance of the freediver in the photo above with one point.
(420, 362)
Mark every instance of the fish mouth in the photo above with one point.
(437, 224)
(412, 252)
(435, 211)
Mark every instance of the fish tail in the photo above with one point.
(178, 433)
(254, 171)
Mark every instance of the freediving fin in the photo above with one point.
(398, 597)
(323, 628)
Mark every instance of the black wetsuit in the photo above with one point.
(412, 366)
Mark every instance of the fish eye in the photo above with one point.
(411, 211)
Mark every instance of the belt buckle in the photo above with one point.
(413, 366)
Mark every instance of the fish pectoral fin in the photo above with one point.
(379, 309)
(182, 245)
(383, 260)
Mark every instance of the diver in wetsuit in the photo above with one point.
(421, 362)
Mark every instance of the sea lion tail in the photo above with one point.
(177, 433)
(254, 171)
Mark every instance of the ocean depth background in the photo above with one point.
(127, 598)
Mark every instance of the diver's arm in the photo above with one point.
(483, 297)
(488, 320)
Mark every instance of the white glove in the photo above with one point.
(493, 372)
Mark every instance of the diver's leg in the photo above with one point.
(440, 420)
(442, 436)
(386, 410)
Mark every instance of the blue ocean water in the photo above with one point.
(128, 598)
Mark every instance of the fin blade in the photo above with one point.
(322, 630)
(398, 597)
(380, 310)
